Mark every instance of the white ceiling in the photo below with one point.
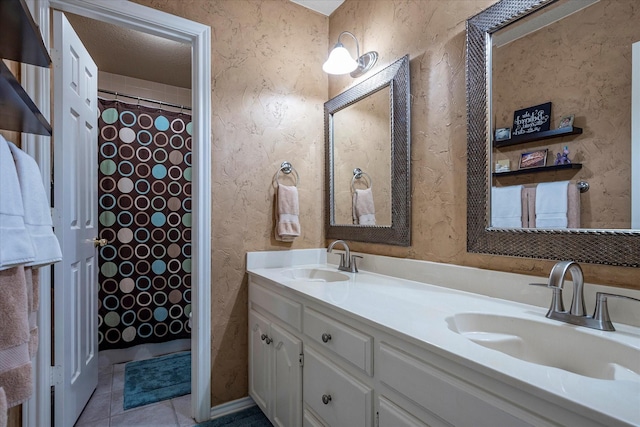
(326, 7)
(131, 53)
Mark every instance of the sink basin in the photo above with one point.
(314, 275)
(560, 346)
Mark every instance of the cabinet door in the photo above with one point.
(287, 378)
(259, 369)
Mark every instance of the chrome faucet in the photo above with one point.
(577, 313)
(556, 281)
(347, 261)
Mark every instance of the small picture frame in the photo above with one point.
(566, 121)
(533, 159)
(502, 134)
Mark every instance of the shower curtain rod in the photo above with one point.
(140, 98)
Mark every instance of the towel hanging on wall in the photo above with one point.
(37, 212)
(15, 244)
(506, 207)
(15, 363)
(287, 213)
(364, 211)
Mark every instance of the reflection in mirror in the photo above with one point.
(577, 55)
(594, 87)
(367, 127)
(362, 139)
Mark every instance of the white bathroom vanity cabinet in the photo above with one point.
(375, 350)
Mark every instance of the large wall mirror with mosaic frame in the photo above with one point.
(610, 246)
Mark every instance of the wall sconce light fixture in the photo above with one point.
(341, 62)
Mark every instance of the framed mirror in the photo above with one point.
(367, 139)
(495, 92)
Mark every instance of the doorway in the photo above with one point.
(147, 20)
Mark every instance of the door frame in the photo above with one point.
(151, 21)
(635, 135)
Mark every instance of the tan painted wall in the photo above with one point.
(581, 64)
(268, 95)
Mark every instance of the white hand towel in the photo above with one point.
(364, 211)
(552, 204)
(506, 206)
(287, 212)
(15, 244)
(37, 212)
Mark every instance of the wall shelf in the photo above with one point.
(538, 170)
(538, 136)
(17, 111)
(21, 40)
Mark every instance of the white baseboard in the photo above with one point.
(231, 407)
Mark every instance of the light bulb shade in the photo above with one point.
(339, 61)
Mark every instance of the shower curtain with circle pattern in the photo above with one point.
(145, 216)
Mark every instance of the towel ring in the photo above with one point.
(287, 168)
(357, 174)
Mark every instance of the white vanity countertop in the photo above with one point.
(420, 311)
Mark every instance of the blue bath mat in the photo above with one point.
(250, 417)
(157, 379)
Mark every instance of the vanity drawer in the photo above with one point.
(334, 395)
(278, 306)
(391, 415)
(347, 342)
(447, 397)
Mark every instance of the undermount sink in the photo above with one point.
(314, 275)
(559, 346)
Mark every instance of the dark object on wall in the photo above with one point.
(532, 119)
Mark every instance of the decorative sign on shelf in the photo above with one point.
(532, 119)
(534, 159)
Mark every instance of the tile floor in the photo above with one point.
(105, 408)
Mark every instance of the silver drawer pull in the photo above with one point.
(326, 398)
(326, 338)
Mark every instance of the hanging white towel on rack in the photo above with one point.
(15, 244)
(506, 207)
(37, 212)
(552, 204)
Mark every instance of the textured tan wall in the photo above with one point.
(268, 95)
(581, 64)
(432, 32)
(267, 103)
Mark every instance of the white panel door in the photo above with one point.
(75, 296)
